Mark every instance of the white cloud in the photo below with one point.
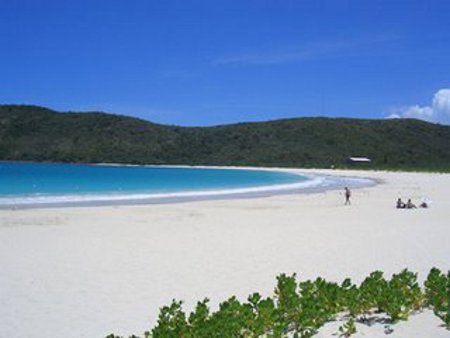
(264, 59)
(287, 54)
(306, 51)
(441, 101)
(393, 116)
(438, 111)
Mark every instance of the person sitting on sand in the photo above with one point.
(400, 204)
(425, 203)
(410, 205)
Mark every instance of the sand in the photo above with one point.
(90, 271)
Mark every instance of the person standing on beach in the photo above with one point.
(347, 196)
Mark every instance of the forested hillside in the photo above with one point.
(30, 133)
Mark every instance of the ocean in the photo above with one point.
(35, 183)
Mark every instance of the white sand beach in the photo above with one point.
(90, 271)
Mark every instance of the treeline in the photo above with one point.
(300, 309)
(30, 133)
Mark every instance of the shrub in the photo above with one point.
(300, 309)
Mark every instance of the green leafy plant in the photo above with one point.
(171, 322)
(287, 302)
(300, 309)
(264, 314)
(348, 329)
(437, 294)
(402, 295)
(319, 302)
(373, 293)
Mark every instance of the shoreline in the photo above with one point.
(90, 271)
(315, 183)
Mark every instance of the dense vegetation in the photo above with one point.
(30, 133)
(300, 309)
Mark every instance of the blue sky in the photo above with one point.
(223, 61)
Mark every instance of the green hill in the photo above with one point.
(30, 133)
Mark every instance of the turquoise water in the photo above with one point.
(44, 181)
